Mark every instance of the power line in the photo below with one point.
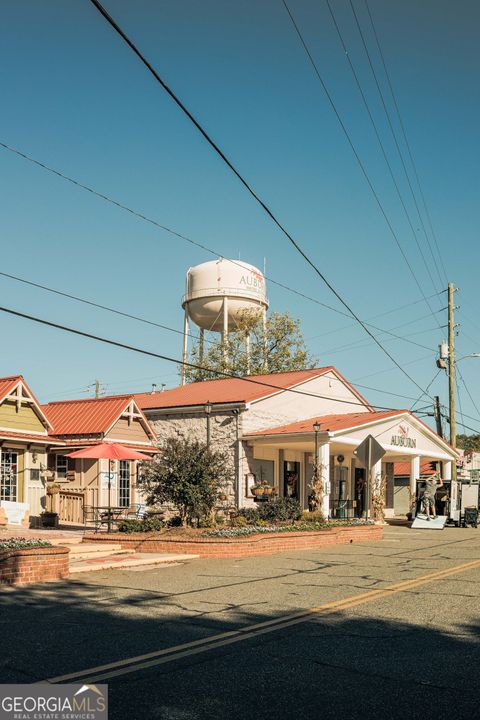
(428, 388)
(138, 318)
(384, 152)
(195, 366)
(213, 252)
(159, 225)
(244, 182)
(404, 134)
(400, 154)
(354, 150)
(468, 393)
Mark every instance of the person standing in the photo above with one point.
(428, 498)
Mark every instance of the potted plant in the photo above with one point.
(53, 488)
(49, 519)
(267, 489)
(257, 489)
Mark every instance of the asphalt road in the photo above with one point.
(394, 633)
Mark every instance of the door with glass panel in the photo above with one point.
(124, 483)
(9, 475)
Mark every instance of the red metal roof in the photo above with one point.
(403, 468)
(331, 423)
(7, 384)
(93, 416)
(31, 438)
(229, 390)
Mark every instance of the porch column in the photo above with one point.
(323, 463)
(414, 475)
(447, 470)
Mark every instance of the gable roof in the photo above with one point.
(8, 385)
(92, 416)
(330, 423)
(234, 390)
(345, 421)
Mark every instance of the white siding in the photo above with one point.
(287, 407)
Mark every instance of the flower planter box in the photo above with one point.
(33, 565)
(252, 545)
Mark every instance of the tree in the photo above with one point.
(187, 474)
(279, 347)
(469, 442)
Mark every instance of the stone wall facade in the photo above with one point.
(225, 430)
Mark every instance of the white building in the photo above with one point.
(266, 425)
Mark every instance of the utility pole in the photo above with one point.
(451, 363)
(97, 388)
(438, 417)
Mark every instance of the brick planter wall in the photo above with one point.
(267, 544)
(33, 565)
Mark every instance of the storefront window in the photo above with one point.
(8, 475)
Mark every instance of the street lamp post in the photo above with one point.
(208, 412)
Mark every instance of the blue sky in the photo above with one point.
(77, 99)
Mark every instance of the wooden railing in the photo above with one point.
(71, 503)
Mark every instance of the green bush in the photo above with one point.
(280, 509)
(250, 515)
(147, 524)
(239, 521)
(312, 517)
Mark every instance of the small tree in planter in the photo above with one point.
(187, 474)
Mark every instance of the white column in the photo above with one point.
(414, 475)
(323, 463)
(447, 470)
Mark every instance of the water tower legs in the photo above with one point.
(201, 346)
(225, 333)
(247, 350)
(265, 341)
(185, 346)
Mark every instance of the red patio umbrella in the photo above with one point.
(109, 451)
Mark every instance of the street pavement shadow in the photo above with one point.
(343, 665)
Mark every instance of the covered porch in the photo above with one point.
(285, 456)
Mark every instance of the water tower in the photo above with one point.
(217, 293)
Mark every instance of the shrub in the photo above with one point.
(239, 521)
(187, 474)
(250, 514)
(280, 509)
(147, 524)
(312, 517)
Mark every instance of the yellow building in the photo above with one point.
(24, 441)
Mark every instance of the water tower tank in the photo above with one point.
(219, 286)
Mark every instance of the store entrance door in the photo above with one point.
(291, 479)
